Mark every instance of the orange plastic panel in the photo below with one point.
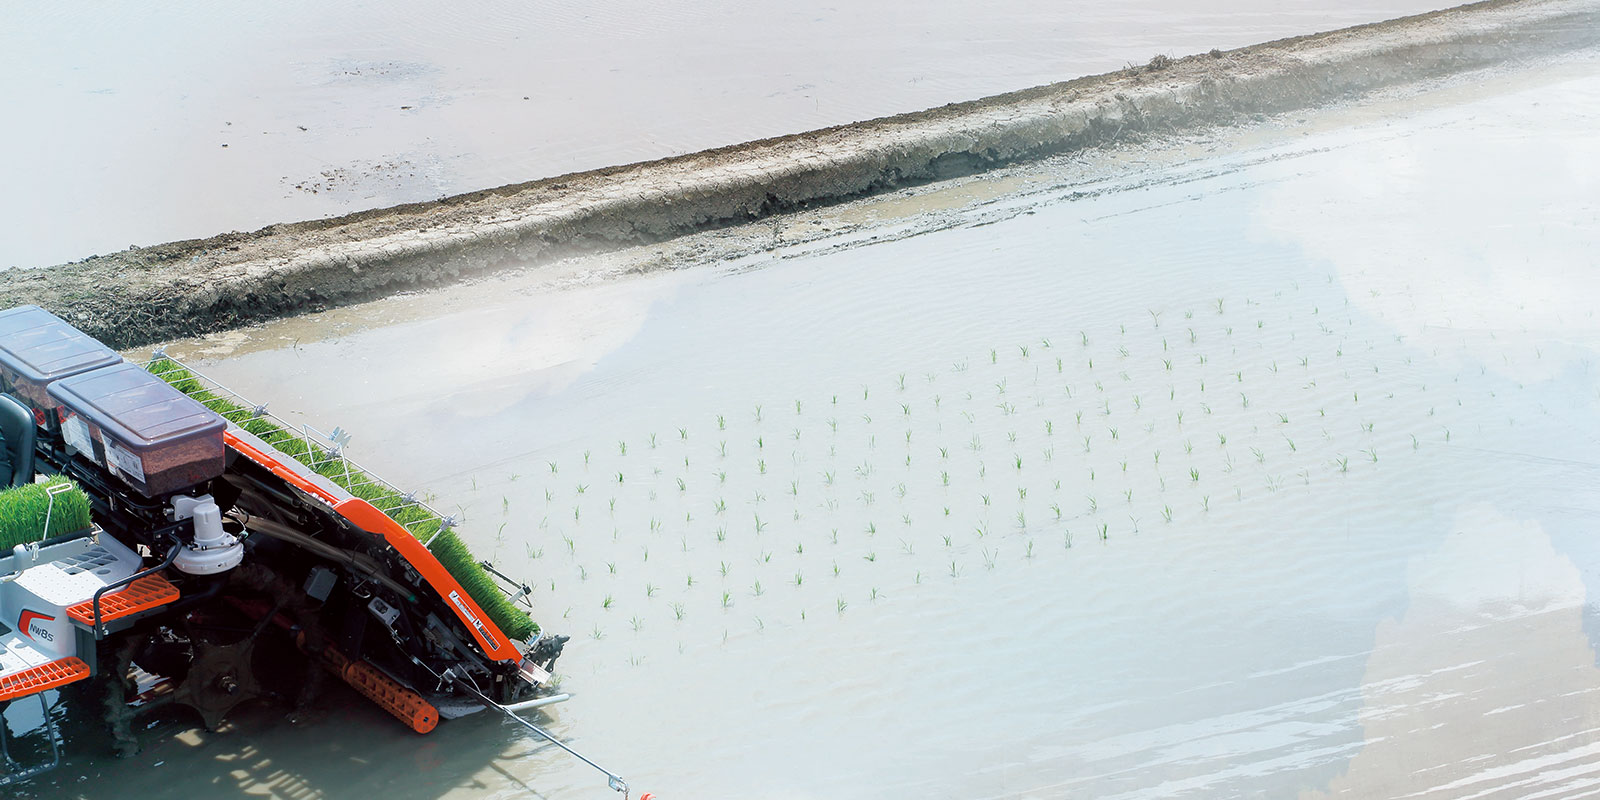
(45, 676)
(496, 645)
(151, 591)
(367, 516)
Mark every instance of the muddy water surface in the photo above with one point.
(137, 125)
(1272, 477)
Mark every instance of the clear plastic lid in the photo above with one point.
(140, 410)
(40, 347)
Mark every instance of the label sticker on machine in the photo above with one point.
(476, 623)
(76, 432)
(125, 461)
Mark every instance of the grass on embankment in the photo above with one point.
(421, 523)
(23, 511)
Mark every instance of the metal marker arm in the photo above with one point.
(613, 780)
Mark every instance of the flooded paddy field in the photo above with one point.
(136, 126)
(1268, 472)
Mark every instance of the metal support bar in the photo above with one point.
(539, 702)
(613, 780)
(9, 776)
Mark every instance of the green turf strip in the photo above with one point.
(421, 523)
(23, 511)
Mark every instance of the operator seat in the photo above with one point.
(17, 433)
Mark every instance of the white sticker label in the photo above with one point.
(476, 623)
(76, 432)
(125, 461)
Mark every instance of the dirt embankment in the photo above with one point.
(192, 287)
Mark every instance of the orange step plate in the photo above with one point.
(45, 676)
(151, 591)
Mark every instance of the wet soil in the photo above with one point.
(198, 286)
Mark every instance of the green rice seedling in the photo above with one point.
(597, 635)
(1166, 513)
(799, 579)
(758, 412)
(1105, 530)
(1366, 427)
(577, 514)
(553, 468)
(606, 603)
(1128, 493)
(761, 465)
(1124, 466)
(1292, 448)
(1222, 439)
(1414, 443)
(612, 567)
(761, 443)
(760, 526)
(1192, 337)
(1194, 475)
(985, 499)
(1022, 520)
(1091, 362)
(872, 528)
(549, 495)
(582, 487)
(836, 569)
(586, 458)
(870, 556)
(1219, 305)
(1244, 400)
(1205, 503)
(1158, 458)
(39, 511)
(636, 623)
(944, 478)
(1188, 447)
(1261, 458)
(727, 599)
(1093, 505)
(1017, 460)
(756, 589)
(619, 477)
(841, 605)
(766, 558)
(1372, 453)
(993, 356)
(722, 533)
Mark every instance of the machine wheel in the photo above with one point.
(227, 650)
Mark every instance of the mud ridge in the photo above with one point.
(192, 287)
